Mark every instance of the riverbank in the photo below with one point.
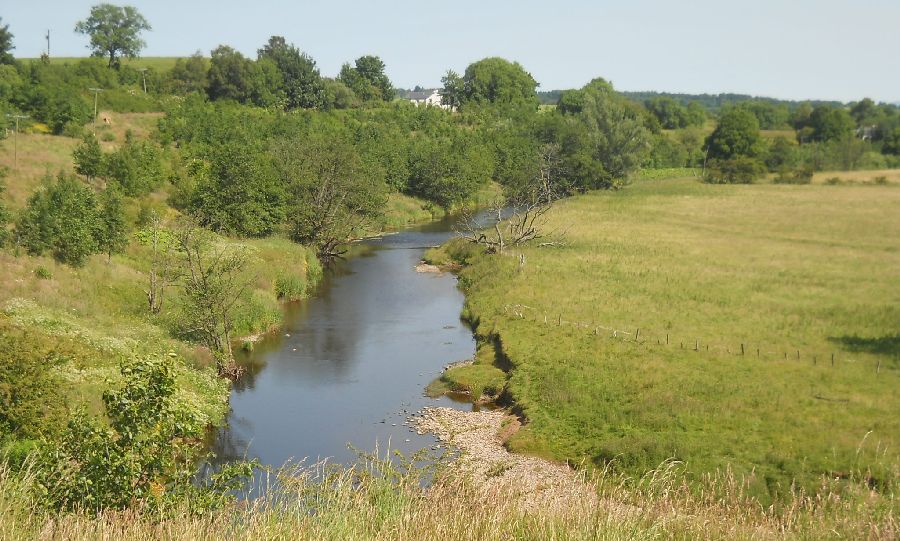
(624, 347)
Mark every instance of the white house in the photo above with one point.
(431, 96)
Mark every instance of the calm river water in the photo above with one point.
(352, 362)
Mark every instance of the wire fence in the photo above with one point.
(654, 337)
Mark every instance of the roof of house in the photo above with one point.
(423, 95)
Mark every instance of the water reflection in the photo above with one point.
(351, 363)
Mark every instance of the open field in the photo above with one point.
(704, 271)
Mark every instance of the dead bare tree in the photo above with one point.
(521, 215)
(215, 280)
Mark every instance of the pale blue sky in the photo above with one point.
(796, 49)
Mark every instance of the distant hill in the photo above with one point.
(711, 102)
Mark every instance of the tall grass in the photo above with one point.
(376, 500)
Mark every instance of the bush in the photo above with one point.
(797, 176)
(740, 170)
(144, 455)
(43, 272)
(30, 399)
(61, 219)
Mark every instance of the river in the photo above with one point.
(352, 362)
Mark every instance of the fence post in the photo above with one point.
(696, 345)
(667, 339)
(878, 368)
(637, 335)
(742, 349)
(832, 359)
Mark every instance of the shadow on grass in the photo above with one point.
(881, 345)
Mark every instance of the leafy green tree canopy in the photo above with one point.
(115, 31)
(498, 81)
(367, 79)
(302, 83)
(6, 44)
(830, 123)
(737, 134)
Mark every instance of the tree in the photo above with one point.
(115, 31)
(112, 236)
(453, 90)
(215, 280)
(671, 114)
(240, 193)
(367, 79)
(88, 157)
(189, 74)
(497, 81)
(6, 44)
(165, 269)
(616, 138)
(830, 123)
(62, 219)
(337, 95)
(136, 167)
(529, 203)
(302, 83)
(232, 76)
(737, 134)
(332, 194)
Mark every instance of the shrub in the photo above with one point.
(739, 170)
(142, 456)
(107, 137)
(797, 176)
(881, 181)
(43, 272)
(30, 398)
(834, 181)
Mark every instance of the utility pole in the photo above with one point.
(16, 139)
(96, 92)
(144, 77)
(48, 43)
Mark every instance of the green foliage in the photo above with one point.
(617, 140)
(736, 135)
(367, 80)
(143, 456)
(830, 123)
(189, 74)
(88, 157)
(332, 195)
(112, 231)
(31, 399)
(136, 167)
(6, 44)
(234, 77)
(114, 31)
(240, 193)
(738, 170)
(782, 155)
(301, 81)
(61, 219)
(290, 286)
(495, 81)
(43, 272)
(449, 172)
(672, 115)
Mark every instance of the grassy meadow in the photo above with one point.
(625, 344)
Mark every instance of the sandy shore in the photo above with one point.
(535, 482)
